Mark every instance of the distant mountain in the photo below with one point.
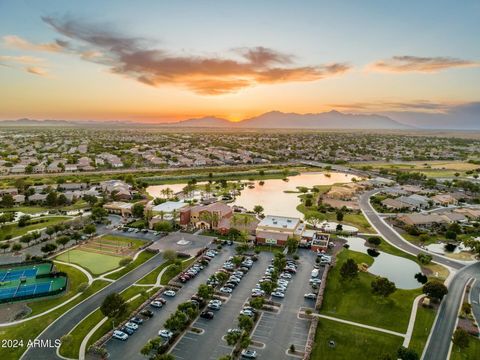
(208, 121)
(30, 122)
(327, 120)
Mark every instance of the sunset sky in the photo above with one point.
(170, 60)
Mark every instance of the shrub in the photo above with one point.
(374, 240)
(82, 287)
(125, 261)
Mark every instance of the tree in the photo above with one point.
(245, 322)
(114, 306)
(374, 240)
(89, 229)
(291, 245)
(268, 286)
(313, 218)
(257, 303)
(407, 354)
(51, 199)
(349, 270)
(138, 210)
(339, 216)
(48, 247)
(435, 289)
(62, 200)
(461, 338)
(258, 209)
(383, 287)
(7, 201)
(232, 338)
(308, 202)
(4, 246)
(62, 240)
(163, 226)
(425, 259)
(23, 221)
(170, 255)
(205, 291)
(98, 213)
(17, 247)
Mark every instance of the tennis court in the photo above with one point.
(24, 271)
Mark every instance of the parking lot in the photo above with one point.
(210, 345)
(130, 349)
(278, 331)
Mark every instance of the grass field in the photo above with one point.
(95, 263)
(26, 209)
(423, 324)
(115, 239)
(142, 257)
(151, 277)
(470, 353)
(352, 342)
(31, 329)
(354, 300)
(173, 271)
(34, 224)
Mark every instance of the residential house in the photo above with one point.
(444, 200)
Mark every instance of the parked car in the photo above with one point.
(213, 306)
(166, 334)
(169, 293)
(117, 334)
(147, 313)
(126, 330)
(310, 296)
(247, 312)
(249, 354)
(226, 290)
(131, 325)
(315, 281)
(136, 320)
(234, 331)
(278, 294)
(207, 315)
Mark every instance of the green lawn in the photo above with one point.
(353, 300)
(31, 329)
(34, 224)
(75, 278)
(423, 323)
(470, 353)
(123, 240)
(93, 262)
(26, 209)
(173, 271)
(352, 342)
(151, 277)
(144, 256)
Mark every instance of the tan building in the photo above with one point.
(120, 208)
(275, 230)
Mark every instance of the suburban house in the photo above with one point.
(120, 189)
(444, 200)
(394, 204)
(120, 208)
(214, 216)
(421, 220)
(472, 214)
(276, 230)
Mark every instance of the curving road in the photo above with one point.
(438, 345)
(68, 320)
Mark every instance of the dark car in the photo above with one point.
(207, 315)
(147, 313)
(127, 330)
(136, 320)
(162, 300)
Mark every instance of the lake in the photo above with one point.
(271, 195)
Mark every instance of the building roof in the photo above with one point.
(423, 219)
(169, 206)
(283, 222)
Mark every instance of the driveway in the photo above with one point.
(130, 349)
(210, 345)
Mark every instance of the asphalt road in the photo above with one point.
(72, 317)
(130, 349)
(475, 300)
(439, 344)
(209, 345)
(392, 237)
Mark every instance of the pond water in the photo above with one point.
(271, 195)
(395, 268)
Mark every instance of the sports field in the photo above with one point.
(95, 262)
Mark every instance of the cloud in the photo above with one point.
(37, 70)
(14, 41)
(139, 59)
(20, 59)
(414, 105)
(403, 64)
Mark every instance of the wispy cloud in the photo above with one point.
(406, 63)
(36, 70)
(139, 59)
(17, 42)
(20, 59)
(414, 105)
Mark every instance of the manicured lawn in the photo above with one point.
(144, 256)
(26, 209)
(75, 278)
(357, 220)
(470, 353)
(31, 329)
(423, 324)
(352, 342)
(353, 300)
(34, 224)
(122, 240)
(93, 262)
(151, 277)
(173, 271)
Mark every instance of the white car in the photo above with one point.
(247, 312)
(166, 334)
(156, 304)
(285, 276)
(315, 281)
(131, 325)
(170, 293)
(117, 334)
(226, 290)
(250, 354)
(215, 302)
(310, 296)
(281, 289)
(278, 294)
